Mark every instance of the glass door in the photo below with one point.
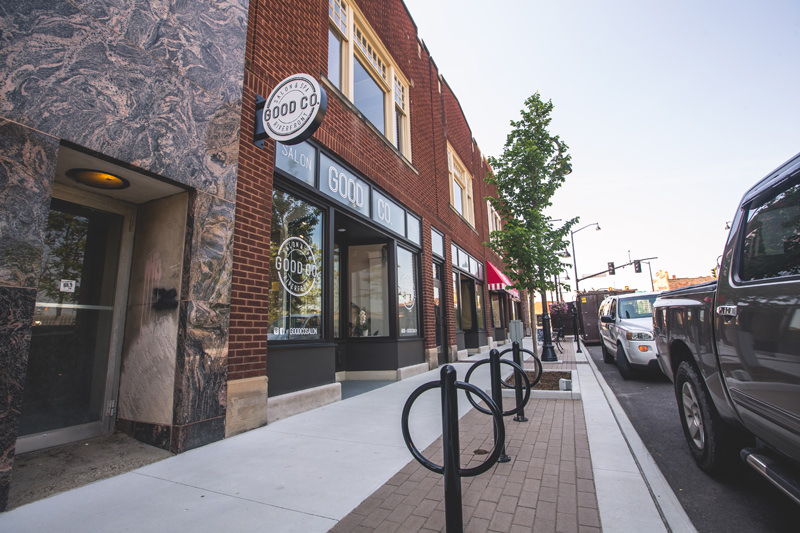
(76, 336)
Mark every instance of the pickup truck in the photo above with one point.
(732, 346)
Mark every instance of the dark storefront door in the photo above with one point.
(68, 385)
(360, 289)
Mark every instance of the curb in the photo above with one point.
(671, 512)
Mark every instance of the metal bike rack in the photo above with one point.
(517, 354)
(494, 363)
(451, 467)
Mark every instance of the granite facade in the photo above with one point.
(155, 86)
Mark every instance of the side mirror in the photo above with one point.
(607, 319)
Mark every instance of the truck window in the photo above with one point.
(772, 237)
(637, 308)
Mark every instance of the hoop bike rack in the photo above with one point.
(537, 363)
(494, 363)
(451, 467)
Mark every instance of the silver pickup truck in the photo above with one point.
(732, 347)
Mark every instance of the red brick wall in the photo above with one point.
(287, 36)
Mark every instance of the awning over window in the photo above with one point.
(498, 281)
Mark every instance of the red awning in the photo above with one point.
(498, 281)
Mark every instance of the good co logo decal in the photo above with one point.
(293, 112)
(296, 266)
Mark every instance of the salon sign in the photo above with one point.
(292, 112)
(296, 265)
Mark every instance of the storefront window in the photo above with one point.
(496, 321)
(467, 299)
(295, 310)
(456, 306)
(479, 321)
(369, 280)
(407, 293)
(337, 288)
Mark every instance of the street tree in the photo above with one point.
(533, 165)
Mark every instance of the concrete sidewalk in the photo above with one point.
(576, 465)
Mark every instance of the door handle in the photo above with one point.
(727, 310)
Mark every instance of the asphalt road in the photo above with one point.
(742, 501)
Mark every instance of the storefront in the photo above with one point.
(468, 274)
(505, 302)
(344, 282)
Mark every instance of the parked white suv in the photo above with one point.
(626, 332)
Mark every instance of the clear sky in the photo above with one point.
(671, 110)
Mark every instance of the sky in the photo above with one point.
(671, 110)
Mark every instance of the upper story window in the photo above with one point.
(361, 68)
(495, 222)
(460, 187)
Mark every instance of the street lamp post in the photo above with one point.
(577, 278)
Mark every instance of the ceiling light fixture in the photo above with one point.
(97, 179)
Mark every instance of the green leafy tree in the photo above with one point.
(534, 164)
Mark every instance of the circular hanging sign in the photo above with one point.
(296, 266)
(295, 109)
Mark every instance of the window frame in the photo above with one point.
(459, 175)
(359, 42)
(749, 211)
(495, 221)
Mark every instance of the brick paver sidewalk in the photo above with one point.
(547, 486)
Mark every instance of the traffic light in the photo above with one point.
(610, 268)
(637, 266)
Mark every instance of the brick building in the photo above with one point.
(164, 274)
(663, 282)
(392, 298)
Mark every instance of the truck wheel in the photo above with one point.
(623, 365)
(607, 357)
(708, 436)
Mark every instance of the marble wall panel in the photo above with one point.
(209, 263)
(147, 378)
(203, 40)
(201, 383)
(27, 171)
(16, 317)
(74, 77)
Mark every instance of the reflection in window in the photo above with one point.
(334, 58)
(636, 308)
(296, 269)
(369, 280)
(368, 96)
(772, 237)
(467, 307)
(407, 309)
(337, 288)
(458, 198)
(479, 323)
(456, 300)
(495, 304)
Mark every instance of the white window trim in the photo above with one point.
(393, 75)
(458, 173)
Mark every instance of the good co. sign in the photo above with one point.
(292, 112)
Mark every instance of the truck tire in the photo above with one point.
(623, 365)
(607, 357)
(711, 441)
